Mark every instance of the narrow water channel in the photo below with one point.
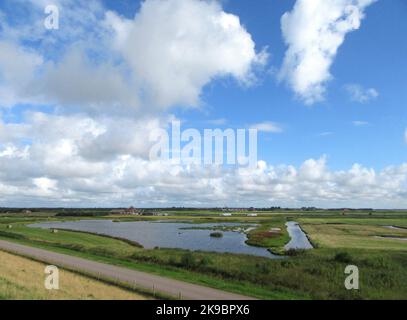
(299, 239)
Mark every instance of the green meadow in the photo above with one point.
(358, 238)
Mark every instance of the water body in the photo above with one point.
(391, 238)
(299, 239)
(395, 228)
(167, 235)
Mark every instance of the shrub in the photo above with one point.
(263, 268)
(287, 263)
(172, 261)
(294, 252)
(216, 234)
(343, 256)
(71, 246)
(377, 262)
(100, 251)
(13, 235)
(205, 261)
(81, 214)
(188, 260)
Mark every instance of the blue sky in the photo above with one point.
(76, 103)
(373, 56)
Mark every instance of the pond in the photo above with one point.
(396, 228)
(299, 239)
(168, 235)
(391, 238)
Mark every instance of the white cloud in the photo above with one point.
(17, 67)
(60, 175)
(267, 126)
(75, 81)
(358, 123)
(314, 31)
(83, 161)
(95, 77)
(100, 62)
(314, 170)
(90, 153)
(176, 47)
(326, 134)
(359, 94)
(80, 161)
(45, 185)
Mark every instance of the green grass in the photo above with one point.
(69, 239)
(22, 278)
(382, 221)
(314, 274)
(267, 235)
(341, 232)
(154, 261)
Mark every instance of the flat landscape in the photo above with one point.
(374, 241)
(203, 150)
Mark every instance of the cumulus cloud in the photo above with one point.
(176, 47)
(75, 81)
(77, 160)
(60, 175)
(359, 94)
(95, 71)
(89, 152)
(314, 31)
(71, 67)
(102, 62)
(17, 67)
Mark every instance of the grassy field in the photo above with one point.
(23, 279)
(315, 274)
(356, 233)
(79, 241)
(383, 221)
(271, 234)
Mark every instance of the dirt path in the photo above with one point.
(141, 279)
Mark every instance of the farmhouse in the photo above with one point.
(130, 211)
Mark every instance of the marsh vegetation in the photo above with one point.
(310, 274)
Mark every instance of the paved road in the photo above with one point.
(141, 279)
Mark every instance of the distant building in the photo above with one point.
(252, 215)
(233, 209)
(160, 214)
(130, 211)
